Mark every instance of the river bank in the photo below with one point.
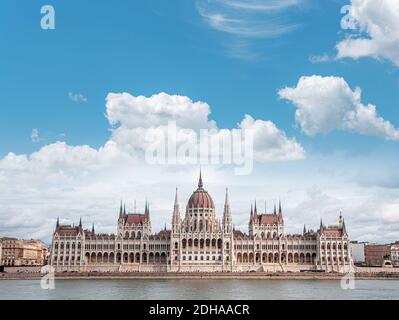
(174, 276)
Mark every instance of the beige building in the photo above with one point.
(395, 254)
(201, 242)
(17, 252)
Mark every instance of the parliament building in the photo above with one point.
(201, 242)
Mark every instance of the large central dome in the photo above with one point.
(200, 198)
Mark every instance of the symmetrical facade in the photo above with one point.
(17, 252)
(200, 242)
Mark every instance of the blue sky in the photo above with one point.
(153, 46)
(147, 47)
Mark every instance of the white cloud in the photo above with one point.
(248, 20)
(253, 18)
(35, 135)
(325, 104)
(377, 31)
(138, 118)
(77, 97)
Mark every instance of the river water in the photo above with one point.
(131, 289)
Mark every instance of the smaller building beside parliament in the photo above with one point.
(200, 242)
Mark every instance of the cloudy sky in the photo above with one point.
(318, 87)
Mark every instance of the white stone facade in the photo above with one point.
(200, 242)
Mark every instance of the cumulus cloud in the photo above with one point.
(143, 123)
(377, 31)
(77, 97)
(325, 104)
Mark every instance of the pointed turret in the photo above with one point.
(80, 223)
(58, 222)
(275, 210)
(227, 220)
(147, 211)
(121, 211)
(200, 183)
(343, 227)
(279, 207)
(92, 229)
(321, 224)
(176, 214)
(251, 215)
(304, 229)
(124, 209)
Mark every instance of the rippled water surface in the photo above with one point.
(199, 289)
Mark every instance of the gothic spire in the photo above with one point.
(92, 229)
(58, 222)
(321, 224)
(80, 223)
(227, 220)
(279, 207)
(304, 229)
(275, 210)
(176, 214)
(200, 183)
(121, 211)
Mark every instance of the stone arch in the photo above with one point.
(214, 243)
(257, 258)
(207, 243)
(118, 257)
(302, 258)
(251, 257)
(111, 257)
(151, 257)
(164, 259)
(133, 235)
(245, 257)
(144, 257)
(184, 243)
(219, 243)
(137, 258)
(290, 258)
(308, 258)
(105, 257)
(276, 257)
(87, 258)
(239, 257)
(296, 257)
(264, 257)
(202, 242)
(138, 235)
(270, 258)
(190, 243)
(314, 257)
(157, 257)
(93, 258)
(99, 257)
(127, 236)
(131, 257)
(125, 258)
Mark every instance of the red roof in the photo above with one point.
(135, 219)
(269, 219)
(200, 199)
(68, 230)
(332, 233)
